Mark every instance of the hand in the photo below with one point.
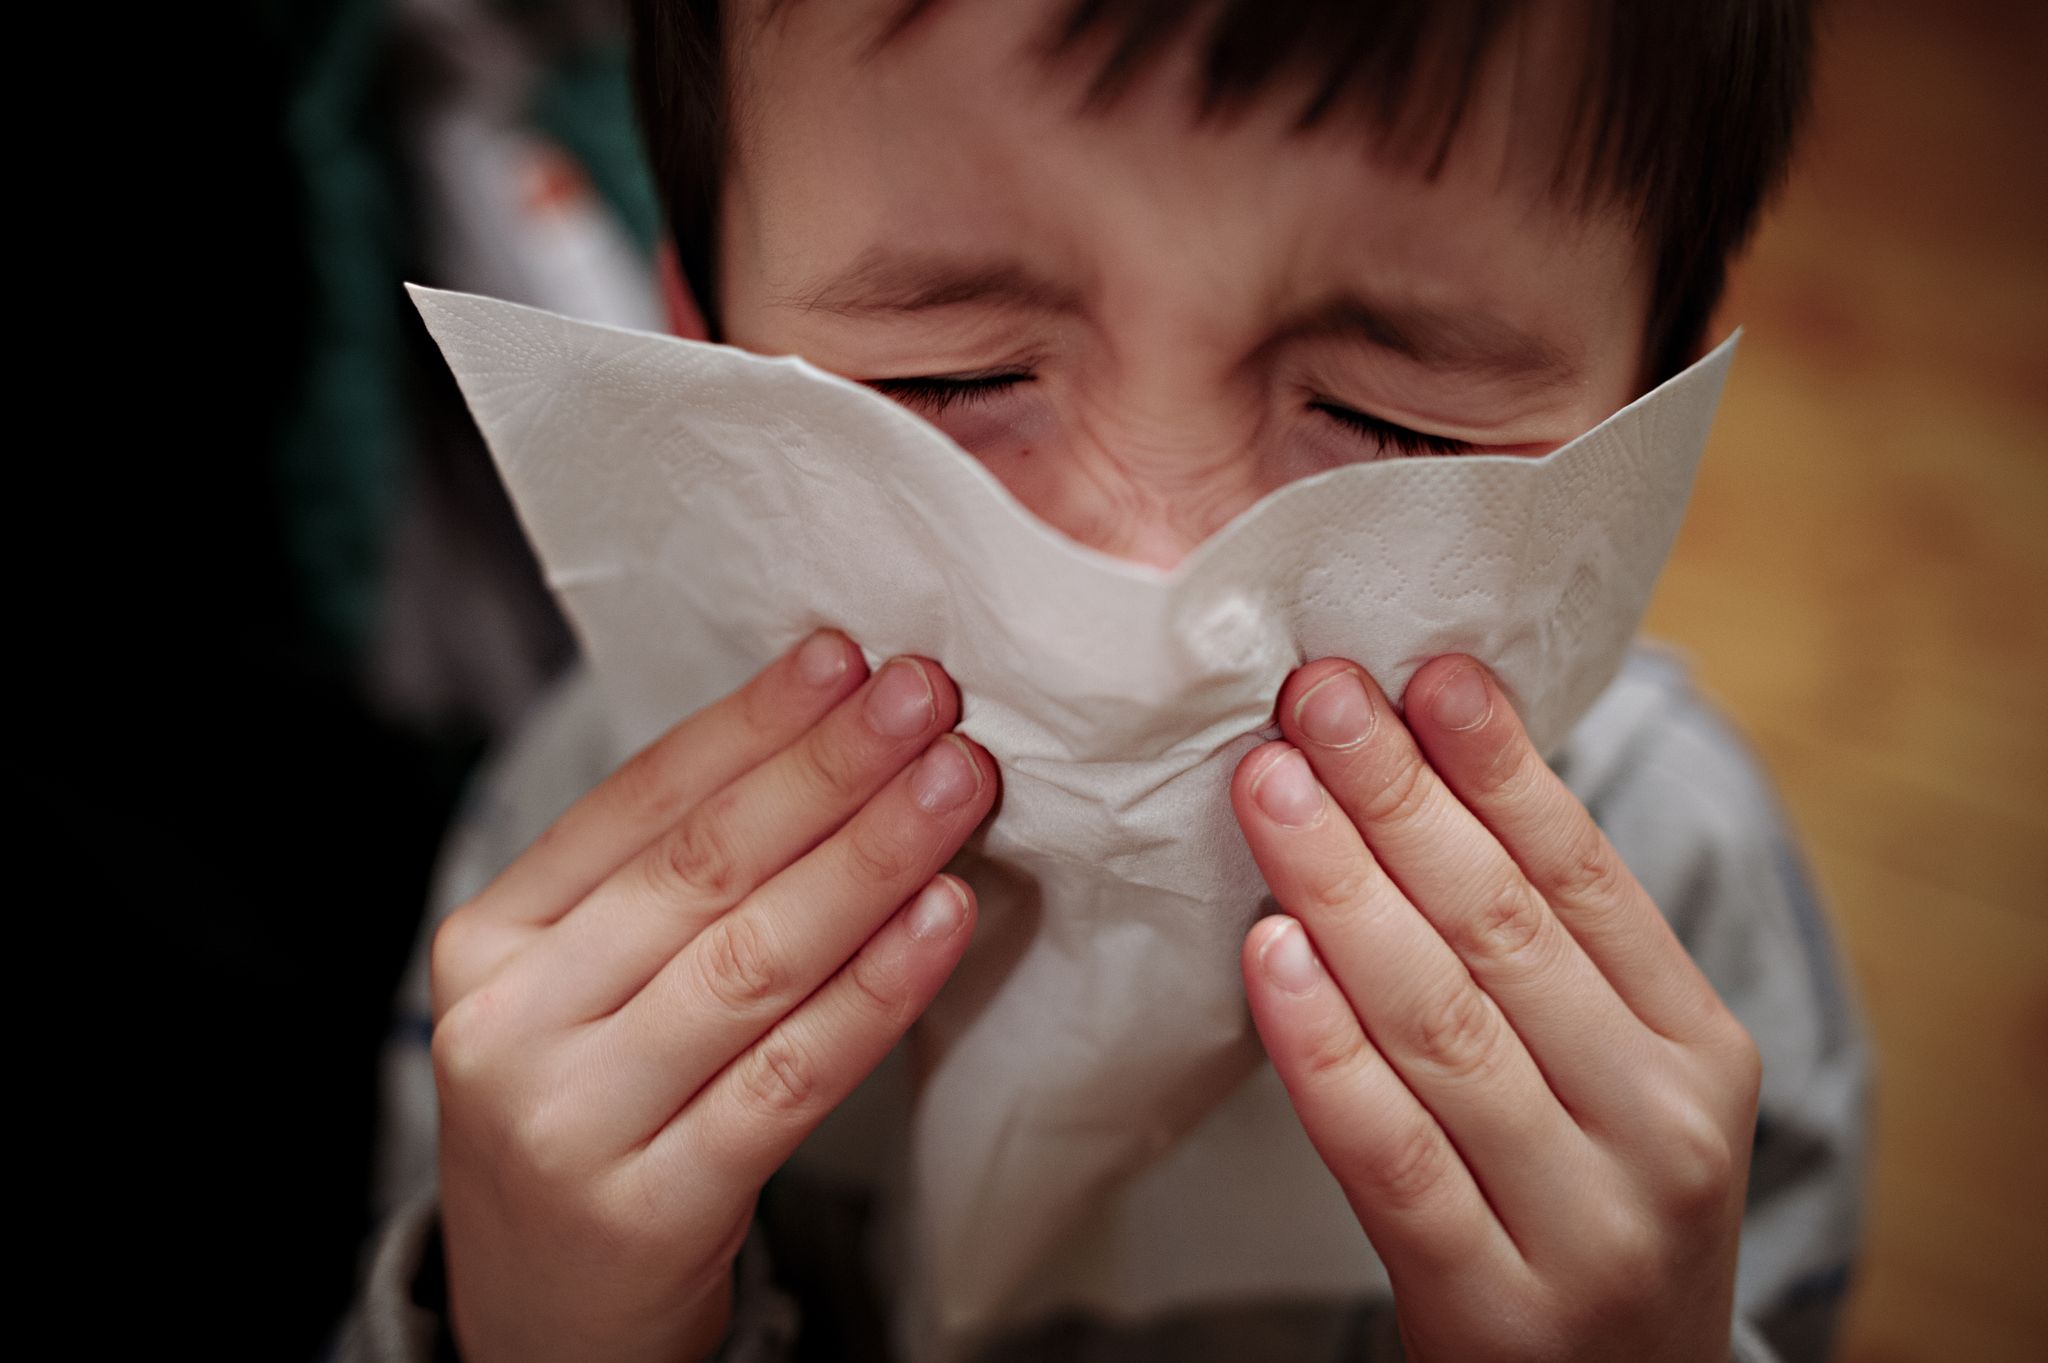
(1540, 1111)
(641, 1018)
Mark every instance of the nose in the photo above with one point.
(1145, 495)
(1156, 523)
(1157, 543)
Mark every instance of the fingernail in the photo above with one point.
(946, 777)
(938, 912)
(822, 659)
(1288, 792)
(1463, 702)
(900, 702)
(1335, 712)
(1290, 961)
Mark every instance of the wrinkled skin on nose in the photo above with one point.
(1145, 485)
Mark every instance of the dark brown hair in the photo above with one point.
(1686, 110)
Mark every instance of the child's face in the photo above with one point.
(1199, 312)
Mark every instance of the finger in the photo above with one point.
(759, 1108)
(1418, 1004)
(753, 966)
(1474, 738)
(1411, 1191)
(1584, 1038)
(721, 850)
(701, 754)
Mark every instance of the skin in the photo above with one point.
(1533, 1100)
(1173, 382)
(642, 1017)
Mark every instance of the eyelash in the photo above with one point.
(1397, 438)
(934, 394)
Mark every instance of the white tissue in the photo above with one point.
(699, 509)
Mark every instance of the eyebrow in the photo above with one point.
(1471, 343)
(886, 282)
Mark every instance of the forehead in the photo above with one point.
(955, 136)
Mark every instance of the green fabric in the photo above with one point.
(584, 101)
(342, 449)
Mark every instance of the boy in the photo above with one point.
(1149, 262)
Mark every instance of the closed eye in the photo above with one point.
(934, 394)
(1397, 438)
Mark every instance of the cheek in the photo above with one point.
(1314, 445)
(992, 431)
(1020, 443)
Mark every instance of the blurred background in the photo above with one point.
(1862, 582)
(353, 617)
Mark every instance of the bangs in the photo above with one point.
(1682, 112)
(1403, 70)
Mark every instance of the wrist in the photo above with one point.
(705, 1323)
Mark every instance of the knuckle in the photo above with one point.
(1413, 1167)
(1508, 927)
(875, 854)
(648, 782)
(462, 1047)
(697, 857)
(1458, 1034)
(778, 1078)
(550, 1141)
(1628, 1258)
(1343, 888)
(464, 951)
(1401, 795)
(1505, 772)
(878, 986)
(1335, 1057)
(1591, 872)
(835, 768)
(1698, 1163)
(736, 964)
(1744, 1061)
(449, 954)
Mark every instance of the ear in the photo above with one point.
(684, 318)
